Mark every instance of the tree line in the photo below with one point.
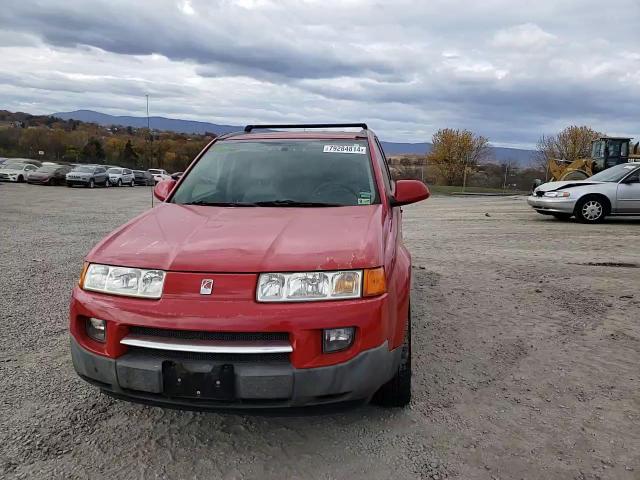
(53, 139)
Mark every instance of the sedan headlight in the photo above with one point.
(309, 286)
(557, 194)
(132, 282)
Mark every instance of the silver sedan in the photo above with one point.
(614, 191)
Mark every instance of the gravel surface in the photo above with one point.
(526, 358)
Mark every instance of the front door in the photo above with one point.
(628, 194)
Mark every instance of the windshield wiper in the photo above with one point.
(295, 203)
(221, 204)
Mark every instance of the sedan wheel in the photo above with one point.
(119, 182)
(591, 210)
(92, 183)
(133, 183)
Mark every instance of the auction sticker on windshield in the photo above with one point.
(361, 149)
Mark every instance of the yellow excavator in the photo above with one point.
(605, 152)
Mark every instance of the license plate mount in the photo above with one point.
(215, 384)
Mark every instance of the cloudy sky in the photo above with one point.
(506, 69)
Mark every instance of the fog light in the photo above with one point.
(337, 339)
(96, 329)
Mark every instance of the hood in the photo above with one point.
(12, 171)
(551, 186)
(246, 239)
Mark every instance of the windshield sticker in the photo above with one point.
(361, 149)
(364, 198)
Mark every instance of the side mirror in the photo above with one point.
(409, 191)
(162, 190)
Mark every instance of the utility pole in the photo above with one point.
(148, 134)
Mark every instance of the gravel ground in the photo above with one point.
(526, 354)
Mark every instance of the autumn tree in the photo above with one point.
(455, 151)
(568, 145)
(128, 156)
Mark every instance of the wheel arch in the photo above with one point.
(600, 196)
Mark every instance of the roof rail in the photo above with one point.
(248, 128)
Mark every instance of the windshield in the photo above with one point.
(281, 173)
(84, 169)
(13, 166)
(116, 171)
(614, 174)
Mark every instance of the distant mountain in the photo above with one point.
(157, 123)
(498, 154)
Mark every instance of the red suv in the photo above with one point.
(272, 274)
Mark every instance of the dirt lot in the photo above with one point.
(526, 358)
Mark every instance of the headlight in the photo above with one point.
(557, 194)
(308, 286)
(133, 282)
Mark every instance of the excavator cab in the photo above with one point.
(608, 152)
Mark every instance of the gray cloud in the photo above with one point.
(408, 68)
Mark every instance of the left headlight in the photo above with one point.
(132, 282)
(309, 286)
(557, 194)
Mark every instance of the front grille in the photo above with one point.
(213, 357)
(201, 335)
(540, 194)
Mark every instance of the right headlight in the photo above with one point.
(314, 286)
(131, 282)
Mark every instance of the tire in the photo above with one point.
(591, 209)
(133, 183)
(20, 179)
(92, 183)
(397, 391)
(119, 182)
(107, 183)
(562, 216)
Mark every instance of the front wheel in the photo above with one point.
(397, 391)
(133, 183)
(591, 210)
(92, 183)
(119, 182)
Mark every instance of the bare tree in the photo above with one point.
(456, 152)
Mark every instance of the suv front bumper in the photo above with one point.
(138, 377)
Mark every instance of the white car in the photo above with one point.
(121, 176)
(614, 191)
(159, 174)
(16, 172)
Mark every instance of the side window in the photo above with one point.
(382, 161)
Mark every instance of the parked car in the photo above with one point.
(15, 171)
(272, 274)
(159, 174)
(49, 175)
(121, 176)
(177, 175)
(614, 191)
(88, 176)
(142, 177)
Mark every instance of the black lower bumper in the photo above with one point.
(144, 378)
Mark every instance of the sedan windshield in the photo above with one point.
(48, 168)
(614, 174)
(283, 173)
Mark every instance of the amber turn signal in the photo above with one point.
(374, 282)
(83, 273)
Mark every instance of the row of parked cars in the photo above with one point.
(48, 173)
